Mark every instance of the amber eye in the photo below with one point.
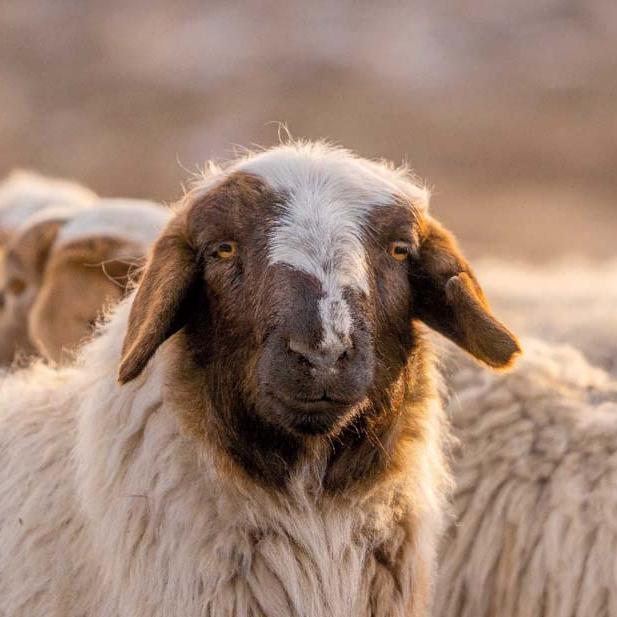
(399, 250)
(16, 287)
(226, 250)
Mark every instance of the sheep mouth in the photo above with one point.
(311, 416)
(322, 404)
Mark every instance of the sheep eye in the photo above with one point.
(226, 250)
(16, 287)
(399, 250)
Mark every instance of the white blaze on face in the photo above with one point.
(327, 196)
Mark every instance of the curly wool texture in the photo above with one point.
(534, 530)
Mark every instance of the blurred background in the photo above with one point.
(507, 109)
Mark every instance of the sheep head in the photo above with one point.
(23, 266)
(82, 278)
(297, 280)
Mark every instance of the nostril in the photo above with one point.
(330, 358)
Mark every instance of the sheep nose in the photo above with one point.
(326, 357)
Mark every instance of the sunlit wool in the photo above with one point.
(572, 301)
(534, 526)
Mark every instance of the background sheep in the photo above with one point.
(23, 193)
(536, 453)
(22, 268)
(64, 265)
(89, 269)
(281, 452)
(24, 198)
(533, 530)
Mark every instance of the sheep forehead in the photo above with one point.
(329, 195)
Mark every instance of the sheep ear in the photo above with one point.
(159, 307)
(448, 298)
(35, 244)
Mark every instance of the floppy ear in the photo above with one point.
(448, 298)
(159, 307)
(35, 244)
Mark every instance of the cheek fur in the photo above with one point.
(228, 307)
(392, 299)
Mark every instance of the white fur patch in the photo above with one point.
(335, 319)
(134, 220)
(328, 195)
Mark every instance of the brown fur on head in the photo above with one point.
(82, 278)
(23, 267)
(296, 301)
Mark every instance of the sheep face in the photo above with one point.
(23, 265)
(297, 281)
(81, 279)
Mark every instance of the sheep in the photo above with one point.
(23, 267)
(533, 530)
(24, 198)
(88, 268)
(24, 193)
(63, 266)
(534, 527)
(256, 430)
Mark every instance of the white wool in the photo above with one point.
(535, 497)
(133, 220)
(22, 194)
(303, 164)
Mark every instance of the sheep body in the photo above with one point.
(125, 518)
(534, 503)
